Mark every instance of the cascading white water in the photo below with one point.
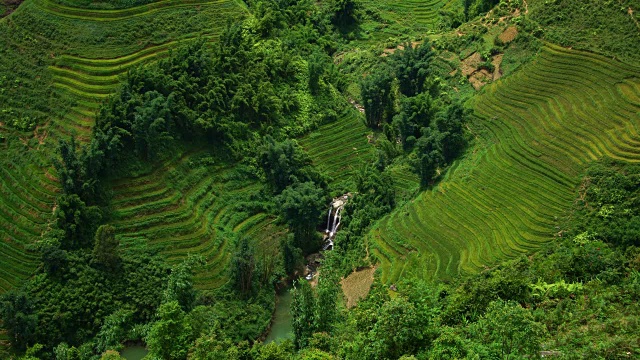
(334, 217)
(339, 219)
(329, 218)
(336, 220)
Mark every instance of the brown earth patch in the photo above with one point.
(470, 64)
(480, 78)
(496, 60)
(356, 286)
(508, 34)
(387, 52)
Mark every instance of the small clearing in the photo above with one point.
(387, 52)
(471, 63)
(496, 61)
(508, 34)
(356, 286)
(480, 78)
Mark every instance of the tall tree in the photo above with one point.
(508, 331)
(303, 310)
(377, 98)
(169, 337)
(285, 163)
(344, 11)
(106, 247)
(300, 205)
(243, 266)
(77, 221)
(413, 67)
(18, 318)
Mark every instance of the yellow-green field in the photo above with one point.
(536, 131)
(89, 51)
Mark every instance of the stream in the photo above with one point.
(281, 326)
(134, 352)
(281, 323)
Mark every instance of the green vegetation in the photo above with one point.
(506, 198)
(168, 165)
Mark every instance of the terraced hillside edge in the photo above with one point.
(188, 207)
(538, 129)
(87, 53)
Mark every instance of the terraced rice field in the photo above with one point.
(90, 80)
(407, 16)
(27, 203)
(538, 130)
(185, 208)
(340, 147)
(83, 74)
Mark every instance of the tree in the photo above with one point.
(169, 338)
(300, 205)
(450, 123)
(152, 125)
(114, 330)
(77, 221)
(111, 355)
(284, 163)
(106, 247)
(179, 285)
(243, 266)
(54, 259)
(397, 331)
(78, 169)
(428, 151)
(18, 317)
(344, 11)
(377, 98)
(416, 114)
(326, 306)
(413, 67)
(317, 63)
(508, 330)
(303, 310)
(291, 254)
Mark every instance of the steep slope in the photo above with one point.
(536, 130)
(59, 64)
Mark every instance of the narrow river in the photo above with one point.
(281, 327)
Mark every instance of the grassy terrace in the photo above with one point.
(69, 60)
(340, 147)
(186, 208)
(89, 80)
(398, 18)
(536, 131)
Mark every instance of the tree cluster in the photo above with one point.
(427, 124)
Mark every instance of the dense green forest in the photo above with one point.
(169, 166)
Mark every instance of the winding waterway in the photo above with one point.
(281, 326)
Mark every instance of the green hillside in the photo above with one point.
(536, 131)
(189, 207)
(64, 62)
(167, 168)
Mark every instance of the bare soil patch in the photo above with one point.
(470, 64)
(508, 34)
(356, 286)
(480, 78)
(387, 52)
(496, 60)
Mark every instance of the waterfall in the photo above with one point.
(329, 218)
(335, 208)
(339, 219)
(335, 219)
